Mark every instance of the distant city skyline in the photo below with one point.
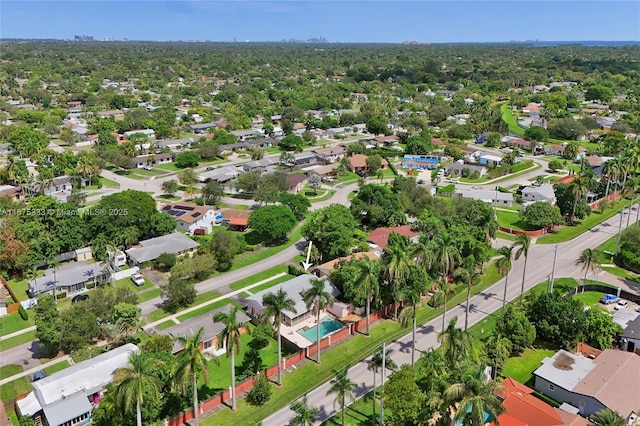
(338, 21)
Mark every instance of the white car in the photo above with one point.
(138, 279)
(454, 180)
(621, 305)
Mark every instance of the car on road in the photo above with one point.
(608, 299)
(621, 305)
(79, 298)
(137, 279)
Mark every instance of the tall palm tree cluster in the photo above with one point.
(453, 385)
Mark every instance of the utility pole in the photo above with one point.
(384, 355)
(553, 270)
(619, 231)
(495, 206)
(629, 217)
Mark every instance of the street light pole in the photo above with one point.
(629, 217)
(619, 231)
(384, 349)
(553, 270)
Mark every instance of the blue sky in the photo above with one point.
(345, 21)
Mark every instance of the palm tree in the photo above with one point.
(396, 263)
(607, 417)
(318, 298)
(368, 277)
(456, 344)
(192, 362)
(504, 266)
(469, 277)
(131, 382)
(230, 339)
(474, 399)
(305, 415)
(408, 314)
(446, 254)
(375, 365)
(611, 169)
(523, 242)
(274, 305)
(588, 261)
(343, 388)
(85, 168)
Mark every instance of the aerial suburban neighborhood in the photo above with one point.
(309, 233)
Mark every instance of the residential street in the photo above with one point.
(483, 304)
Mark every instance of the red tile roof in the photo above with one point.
(507, 420)
(519, 403)
(380, 236)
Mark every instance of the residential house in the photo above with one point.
(495, 198)
(330, 154)
(378, 239)
(339, 131)
(294, 288)
(244, 135)
(455, 168)
(324, 269)
(298, 129)
(630, 337)
(150, 160)
(296, 182)
(174, 144)
(149, 133)
(236, 220)
(387, 140)
(489, 160)
(522, 408)
(438, 142)
(15, 192)
(543, 192)
(421, 162)
(60, 188)
(594, 161)
(304, 159)
(540, 88)
(67, 397)
(260, 165)
(610, 380)
(210, 333)
(115, 114)
(448, 94)
(190, 217)
(358, 163)
(151, 249)
(221, 175)
(69, 278)
(559, 150)
(605, 123)
(201, 128)
(323, 171)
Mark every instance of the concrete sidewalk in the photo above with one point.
(17, 333)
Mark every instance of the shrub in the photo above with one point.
(23, 313)
(61, 295)
(295, 271)
(260, 393)
(91, 285)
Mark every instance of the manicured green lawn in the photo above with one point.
(512, 220)
(512, 175)
(263, 254)
(325, 197)
(590, 298)
(56, 367)
(108, 183)
(566, 233)
(20, 287)
(258, 277)
(10, 370)
(148, 295)
(314, 194)
(510, 119)
(167, 197)
(158, 314)
(14, 322)
(521, 368)
(17, 340)
(127, 283)
(359, 413)
(606, 259)
(168, 167)
(165, 325)
(239, 207)
(271, 283)
(348, 177)
(9, 391)
(205, 309)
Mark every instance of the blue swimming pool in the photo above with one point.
(327, 325)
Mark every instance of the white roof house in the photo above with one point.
(490, 197)
(152, 248)
(541, 193)
(294, 288)
(67, 396)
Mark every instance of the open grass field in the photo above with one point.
(9, 391)
(20, 287)
(511, 120)
(521, 368)
(148, 295)
(512, 220)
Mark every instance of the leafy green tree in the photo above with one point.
(537, 134)
(170, 187)
(377, 126)
(456, 345)
(230, 339)
(408, 316)
(332, 231)
(291, 143)
(225, 246)
(404, 399)
(343, 388)
(297, 203)
(396, 267)
(497, 350)
(305, 415)
(48, 324)
(273, 223)
(468, 276)
(557, 319)
(191, 363)
(317, 298)
(566, 199)
(514, 325)
(607, 417)
(598, 93)
(80, 328)
(132, 381)
(541, 215)
(212, 193)
(315, 181)
(566, 128)
(261, 391)
(445, 256)
(248, 182)
(275, 304)
(555, 165)
(27, 141)
(208, 150)
(374, 163)
(377, 206)
(177, 292)
(187, 159)
(599, 329)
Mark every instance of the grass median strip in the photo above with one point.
(266, 274)
(56, 367)
(158, 314)
(10, 370)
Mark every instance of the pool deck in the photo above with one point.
(292, 335)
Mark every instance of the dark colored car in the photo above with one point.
(79, 298)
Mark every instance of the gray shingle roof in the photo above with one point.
(152, 249)
(67, 409)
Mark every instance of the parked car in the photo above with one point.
(79, 298)
(327, 179)
(454, 180)
(535, 183)
(621, 305)
(38, 375)
(137, 279)
(608, 299)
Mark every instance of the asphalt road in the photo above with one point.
(483, 304)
